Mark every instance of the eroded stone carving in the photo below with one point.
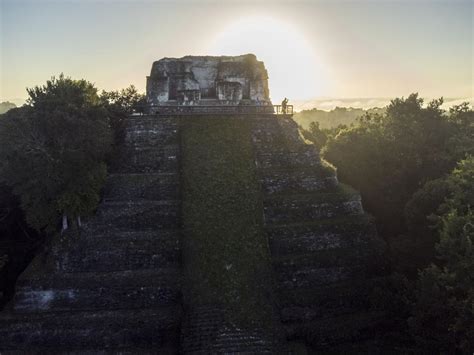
(207, 80)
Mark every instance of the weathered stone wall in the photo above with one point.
(189, 79)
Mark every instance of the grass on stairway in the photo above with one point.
(226, 255)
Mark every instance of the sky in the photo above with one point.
(315, 51)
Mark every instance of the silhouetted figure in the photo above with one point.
(283, 105)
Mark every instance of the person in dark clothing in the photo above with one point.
(283, 105)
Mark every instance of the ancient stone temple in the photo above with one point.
(153, 271)
(194, 80)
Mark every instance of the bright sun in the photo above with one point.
(293, 68)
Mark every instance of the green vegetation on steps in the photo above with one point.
(226, 255)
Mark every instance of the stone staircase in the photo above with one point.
(116, 284)
(229, 303)
(325, 250)
(207, 330)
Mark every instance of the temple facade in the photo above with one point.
(208, 80)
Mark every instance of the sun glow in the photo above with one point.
(294, 69)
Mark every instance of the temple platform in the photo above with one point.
(219, 110)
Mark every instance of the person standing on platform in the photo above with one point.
(283, 105)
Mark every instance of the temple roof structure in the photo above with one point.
(209, 80)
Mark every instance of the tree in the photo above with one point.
(5, 106)
(120, 104)
(128, 100)
(389, 157)
(443, 316)
(316, 135)
(53, 151)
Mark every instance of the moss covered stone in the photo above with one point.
(227, 260)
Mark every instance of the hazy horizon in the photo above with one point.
(351, 51)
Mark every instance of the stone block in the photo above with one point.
(142, 187)
(137, 215)
(356, 233)
(293, 209)
(302, 305)
(150, 131)
(296, 181)
(208, 330)
(163, 159)
(99, 291)
(149, 250)
(92, 331)
(270, 158)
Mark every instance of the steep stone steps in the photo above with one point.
(151, 186)
(311, 271)
(137, 215)
(330, 330)
(150, 130)
(162, 159)
(325, 251)
(98, 291)
(119, 251)
(114, 284)
(208, 330)
(285, 181)
(324, 300)
(89, 231)
(149, 145)
(353, 233)
(300, 275)
(268, 157)
(93, 331)
(295, 208)
(326, 258)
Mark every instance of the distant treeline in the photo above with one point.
(336, 117)
(5, 106)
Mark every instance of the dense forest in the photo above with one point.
(413, 164)
(333, 118)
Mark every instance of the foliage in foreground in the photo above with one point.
(390, 157)
(443, 316)
(119, 105)
(53, 151)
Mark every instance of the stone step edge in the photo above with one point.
(366, 219)
(169, 174)
(127, 275)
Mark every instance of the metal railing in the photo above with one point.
(219, 109)
(283, 110)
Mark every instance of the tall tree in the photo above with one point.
(443, 315)
(389, 157)
(53, 151)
